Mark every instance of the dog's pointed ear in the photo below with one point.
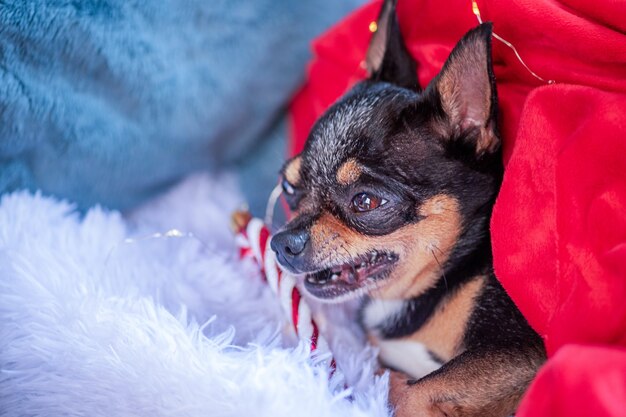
(387, 57)
(466, 88)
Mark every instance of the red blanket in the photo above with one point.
(559, 225)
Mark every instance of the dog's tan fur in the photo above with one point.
(422, 247)
(349, 172)
(443, 333)
(292, 171)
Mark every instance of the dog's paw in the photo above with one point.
(411, 399)
(399, 385)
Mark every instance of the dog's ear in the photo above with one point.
(466, 88)
(387, 57)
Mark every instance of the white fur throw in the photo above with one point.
(92, 326)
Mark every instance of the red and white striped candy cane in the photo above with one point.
(252, 237)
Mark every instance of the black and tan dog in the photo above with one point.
(391, 198)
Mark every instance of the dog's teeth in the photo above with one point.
(373, 257)
(389, 257)
(363, 264)
(311, 279)
(335, 276)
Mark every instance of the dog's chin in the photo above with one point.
(346, 281)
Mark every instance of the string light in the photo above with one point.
(169, 234)
(476, 12)
(373, 27)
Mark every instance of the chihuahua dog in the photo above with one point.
(391, 200)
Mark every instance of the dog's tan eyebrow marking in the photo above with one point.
(292, 170)
(349, 172)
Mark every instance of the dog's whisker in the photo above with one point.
(443, 272)
(439, 249)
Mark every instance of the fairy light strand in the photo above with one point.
(373, 27)
(178, 234)
(476, 12)
(169, 234)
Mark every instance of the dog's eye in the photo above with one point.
(363, 202)
(288, 188)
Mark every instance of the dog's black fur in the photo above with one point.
(390, 173)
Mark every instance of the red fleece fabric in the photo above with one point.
(559, 224)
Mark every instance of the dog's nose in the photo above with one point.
(289, 245)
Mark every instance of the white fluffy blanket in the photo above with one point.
(93, 326)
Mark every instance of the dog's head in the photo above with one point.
(395, 182)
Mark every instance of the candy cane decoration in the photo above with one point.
(252, 238)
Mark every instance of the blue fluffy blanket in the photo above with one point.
(109, 101)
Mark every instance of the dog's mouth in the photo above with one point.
(358, 274)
